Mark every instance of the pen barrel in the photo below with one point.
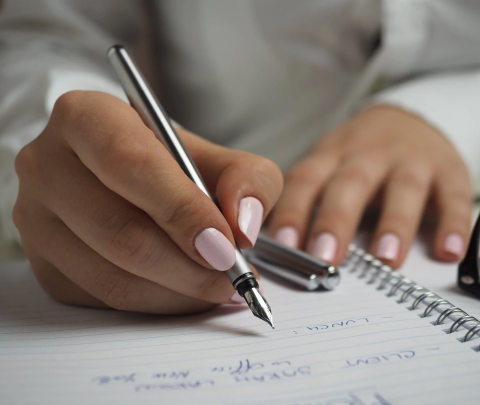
(241, 270)
(144, 101)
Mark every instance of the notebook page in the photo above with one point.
(350, 346)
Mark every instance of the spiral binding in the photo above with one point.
(376, 272)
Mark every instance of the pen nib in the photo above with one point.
(259, 306)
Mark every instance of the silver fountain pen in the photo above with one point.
(144, 101)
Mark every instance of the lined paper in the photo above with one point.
(350, 346)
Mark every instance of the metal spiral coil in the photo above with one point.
(376, 272)
(460, 321)
(410, 291)
(420, 298)
(445, 314)
(435, 304)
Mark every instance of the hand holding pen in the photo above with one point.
(108, 218)
(234, 263)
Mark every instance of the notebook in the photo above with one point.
(357, 345)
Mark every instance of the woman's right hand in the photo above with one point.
(108, 219)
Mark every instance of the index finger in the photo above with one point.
(111, 140)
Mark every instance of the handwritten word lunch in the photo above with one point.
(333, 325)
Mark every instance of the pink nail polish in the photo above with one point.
(237, 298)
(454, 244)
(288, 236)
(216, 249)
(324, 247)
(388, 247)
(250, 218)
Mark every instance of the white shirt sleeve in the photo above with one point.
(432, 52)
(47, 49)
(448, 101)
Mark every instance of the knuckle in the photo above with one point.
(265, 165)
(356, 174)
(18, 216)
(458, 219)
(117, 290)
(268, 170)
(459, 212)
(411, 181)
(123, 158)
(132, 240)
(399, 223)
(24, 217)
(459, 197)
(335, 218)
(451, 163)
(27, 162)
(69, 106)
(183, 211)
(303, 173)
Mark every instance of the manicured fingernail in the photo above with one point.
(454, 244)
(388, 247)
(288, 235)
(236, 297)
(324, 247)
(250, 218)
(216, 249)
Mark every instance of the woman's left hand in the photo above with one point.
(382, 149)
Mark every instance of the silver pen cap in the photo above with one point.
(292, 264)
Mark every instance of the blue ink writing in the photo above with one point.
(175, 386)
(103, 380)
(337, 325)
(173, 375)
(402, 355)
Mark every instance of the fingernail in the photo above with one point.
(250, 218)
(388, 247)
(236, 297)
(288, 236)
(454, 244)
(324, 247)
(216, 249)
